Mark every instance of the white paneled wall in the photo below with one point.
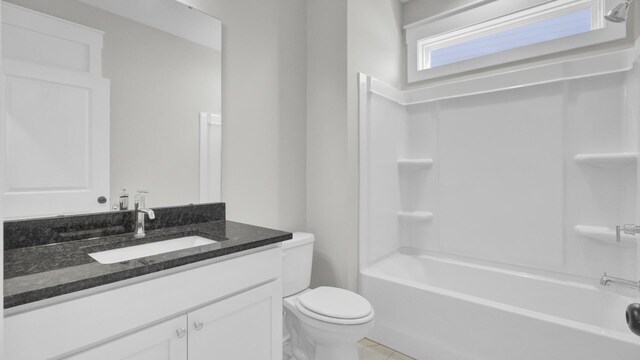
(536, 176)
(500, 176)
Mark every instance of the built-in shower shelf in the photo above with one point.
(415, 216)
(605, 234)
(608, 160)
(415, 164)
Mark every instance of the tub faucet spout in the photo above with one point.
(607, 280)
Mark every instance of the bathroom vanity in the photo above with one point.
(186, 304)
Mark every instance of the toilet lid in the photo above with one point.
(336, 303)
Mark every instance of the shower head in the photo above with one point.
(619, 13)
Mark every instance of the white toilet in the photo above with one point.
(319, 324)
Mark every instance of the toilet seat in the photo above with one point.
(335, 305)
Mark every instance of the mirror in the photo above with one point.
(161, 67)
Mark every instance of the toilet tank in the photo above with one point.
(297, 255)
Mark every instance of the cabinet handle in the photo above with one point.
(198, 325)
(181, 332)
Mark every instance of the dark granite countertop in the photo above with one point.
(40, 272)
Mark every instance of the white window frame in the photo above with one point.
(495, 16)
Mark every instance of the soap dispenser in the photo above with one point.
(124, 199)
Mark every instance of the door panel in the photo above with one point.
(57, 141)
(48, 125)
(245, 326)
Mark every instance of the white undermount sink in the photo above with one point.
(154, 248)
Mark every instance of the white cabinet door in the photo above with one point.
(244, 326)
(165, 341)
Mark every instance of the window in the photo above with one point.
(544, 28)
(448, 51)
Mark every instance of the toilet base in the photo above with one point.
(310, 339)
(346, 352)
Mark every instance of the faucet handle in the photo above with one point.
(629, 229)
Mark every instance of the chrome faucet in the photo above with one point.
(138, 214)
(607, 280)
(629, 229)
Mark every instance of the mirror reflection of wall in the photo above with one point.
(163, 63)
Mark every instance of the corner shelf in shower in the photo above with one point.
(608, 160)
(604, 234)
(415, 216)
(415, 164)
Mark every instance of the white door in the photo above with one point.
(57, 141)
(165, 341)
(245, 326)
(55, 130)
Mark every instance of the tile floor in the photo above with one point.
(371, 350)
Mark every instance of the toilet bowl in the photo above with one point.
(323, 323)
(318, 334)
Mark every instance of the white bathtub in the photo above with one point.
(436, 308)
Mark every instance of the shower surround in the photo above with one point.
(488, 208)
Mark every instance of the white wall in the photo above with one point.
(416, 10)
(373, 45)
(264, 110)
(327, 192)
